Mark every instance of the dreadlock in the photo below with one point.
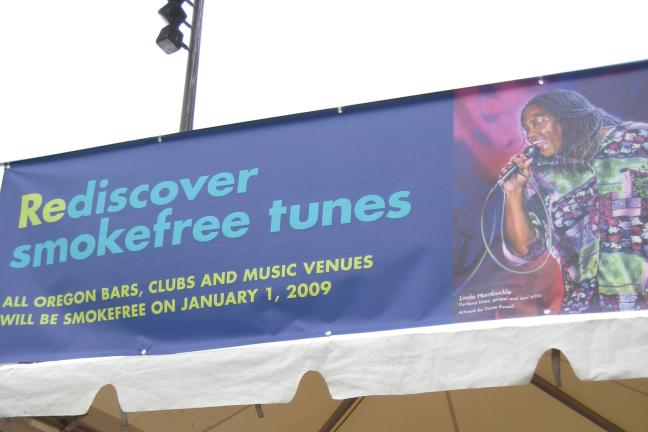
(580, 121)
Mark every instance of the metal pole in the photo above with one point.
(574, 404)
(191, 75)
(346, 408)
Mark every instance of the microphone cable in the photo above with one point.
(487, 243)
(548, 236)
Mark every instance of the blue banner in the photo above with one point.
(380, 216)
(300, 227)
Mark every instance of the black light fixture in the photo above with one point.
(173, 13)
(170, 37)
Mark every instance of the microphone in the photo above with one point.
(530, 152)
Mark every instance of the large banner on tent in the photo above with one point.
(517, 199)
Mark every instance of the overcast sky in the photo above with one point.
(82, 73)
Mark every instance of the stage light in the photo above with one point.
(170, 39)
(173, 13)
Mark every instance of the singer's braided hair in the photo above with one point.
(580, 121)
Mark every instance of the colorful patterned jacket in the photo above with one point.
(599, 215)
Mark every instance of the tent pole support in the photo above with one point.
(555, 366)
(123, 417)
(345, 408)
(259, 410)
(453, 416)
(574, 404)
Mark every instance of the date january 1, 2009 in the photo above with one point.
(292, 291)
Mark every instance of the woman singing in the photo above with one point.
(589, 189)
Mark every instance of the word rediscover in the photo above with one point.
(96, 200)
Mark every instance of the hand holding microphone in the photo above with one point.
(516, 173)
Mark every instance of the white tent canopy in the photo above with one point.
(614, 405)
(448, 357)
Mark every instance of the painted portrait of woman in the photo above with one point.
(567, 230)
(591, 174)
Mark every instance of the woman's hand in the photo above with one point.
(518, 230)
(519, 179)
